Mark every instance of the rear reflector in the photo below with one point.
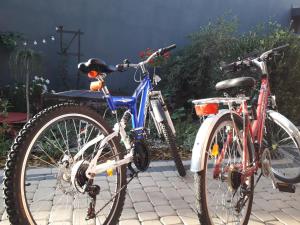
(93, 74)
(207, 109)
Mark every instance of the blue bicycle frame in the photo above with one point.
(130, 102)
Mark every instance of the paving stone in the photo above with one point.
(144, 216)
(170, 193)
(138, 195)
(41, 215)
(128, 202)
(279, 204)
(157, 198)
(79, 216)
(275, 222)
(180, 185)
(158, 176)
(185, 192)
(294, 204)
(170, 220)
(129, 222)
(143, 207)
(47, 183)
(266, 205)
(152, 222)
(41, 206)
(63, 200)
(164, 210)
(190, 199)
(179, 204)
(44, 194)
(263, 215)
(61, 223)
(151, 189)
(128, 214)
(164, 183)
(170, 174)
(285, 218)
(147, 181)
(188, 216)
(292, 212)
(61, 213)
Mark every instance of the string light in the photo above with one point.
(35, 42)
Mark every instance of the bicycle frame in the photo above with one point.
(255, 130)
(130, 102)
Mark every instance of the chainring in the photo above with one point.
(141, 156)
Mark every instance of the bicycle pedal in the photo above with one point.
(285, 187)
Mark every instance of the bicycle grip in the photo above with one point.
(228, 67)
(280, 47)
(167, 49)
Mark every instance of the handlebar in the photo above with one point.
(160, 52)
(232, 67)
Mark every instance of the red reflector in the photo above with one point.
(207, 109)
(93, 74)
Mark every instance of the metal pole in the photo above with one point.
(78, 60)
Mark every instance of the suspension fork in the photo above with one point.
(159, 112)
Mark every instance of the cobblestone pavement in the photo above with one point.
(160, 196)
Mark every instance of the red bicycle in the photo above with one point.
(233, 144)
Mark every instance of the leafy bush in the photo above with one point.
(16, 94)
(194, 70)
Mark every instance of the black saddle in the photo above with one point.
(243, 82)
(97, 65)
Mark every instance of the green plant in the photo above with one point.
(194, 70)
(23, 63)
(4, 105)
(8, 40)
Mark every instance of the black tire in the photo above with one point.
(18, 206)
(201, 181)
(283, 146)
(171, 140)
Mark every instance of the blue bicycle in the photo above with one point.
(71, 152)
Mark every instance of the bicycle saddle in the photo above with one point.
(236, 82)
(97, 65)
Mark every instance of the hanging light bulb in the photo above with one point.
(25, 43)
(35, 42)
(52, 38)
(44, 41)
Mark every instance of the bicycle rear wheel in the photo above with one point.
(282, 139)
(224, 198)
(44, 184)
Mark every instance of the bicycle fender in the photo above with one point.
(157, 110)
(198, 152)
(285, 122)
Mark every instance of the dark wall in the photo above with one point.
(118, 29)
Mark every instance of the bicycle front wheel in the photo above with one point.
(171, 140)
(221, 195)
(282, 139)
(43, 182)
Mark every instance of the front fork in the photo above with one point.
(159, 111)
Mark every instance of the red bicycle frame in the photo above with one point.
(254, 129)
